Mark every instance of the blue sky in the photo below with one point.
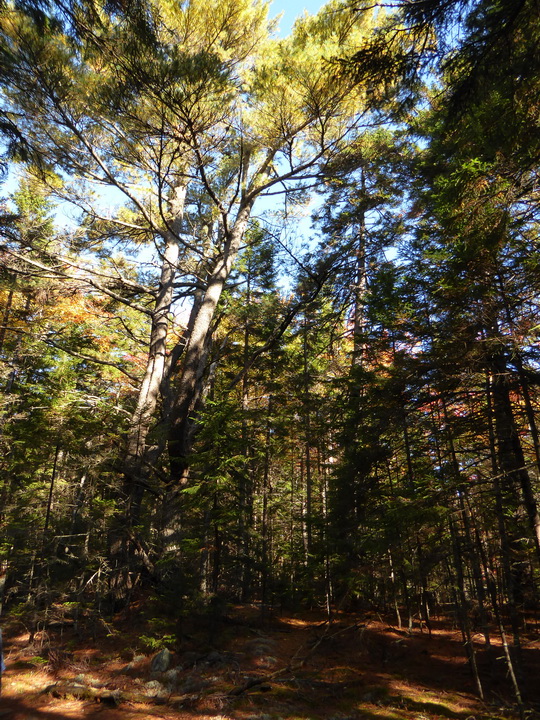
(292, 9)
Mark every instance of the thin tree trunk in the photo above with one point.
(57, 459)
(476, 569)
(360, 287)
(394, 589)
(328, 583)
(513, 672)
(40, 558)
(475, 564)
(245, 489)
(265, 539)
(217, 546)
(424, 592)
(308, 484)
(5, 319)
(4, 567)
(461, 605)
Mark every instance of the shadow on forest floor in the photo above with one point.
(292, 667)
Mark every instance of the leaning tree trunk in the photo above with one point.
(135, 466)
(191, 380)
(124, 543)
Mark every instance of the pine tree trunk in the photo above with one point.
(124, 543)
(144, 414)
(511, 459)
(4, 567)
(245, 489)
(360, 287)
(476, 566)
(461, 605)
(474, 561)
(524, 382)
(395, 599)
(136, 469)
(508, 542)
(308, 484)
(265, 523)
(190, 385)
(5, 319)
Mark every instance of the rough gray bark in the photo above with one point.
(136, 466)
(125, 546)
(191, 385)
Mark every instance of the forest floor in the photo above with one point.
(244, 667)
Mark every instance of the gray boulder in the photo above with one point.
(161, 661)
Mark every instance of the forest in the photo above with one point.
(269, 336)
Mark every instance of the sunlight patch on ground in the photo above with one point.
(340, 673)
(441, 703)
(24, 683)
(20, 640)
(296, 622)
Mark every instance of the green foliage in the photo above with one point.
(153, 643)
(38, 661)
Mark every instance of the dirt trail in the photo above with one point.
(288, 668)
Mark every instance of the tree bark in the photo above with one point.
(308, 514)
(461, 606)
(507, 540)
(360, 287)
(511, 459)
(5, 319)
(136, 470)
(190, 386)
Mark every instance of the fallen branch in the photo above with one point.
(114, 698)
(295, 664)
(78, 691)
